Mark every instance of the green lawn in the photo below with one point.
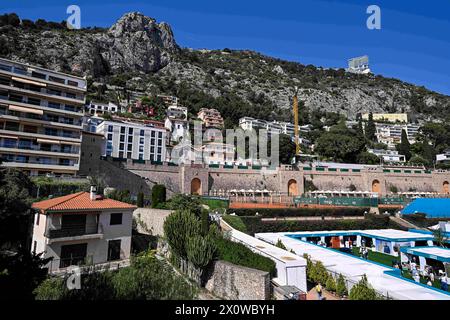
(377, 257)
(214, 204)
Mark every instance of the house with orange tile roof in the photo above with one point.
(82, 229)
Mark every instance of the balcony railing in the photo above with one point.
(49, 105)
(37, 148)
(74, 231)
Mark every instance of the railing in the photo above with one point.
(37, 148)
(56, 265)
(74, 231)
(54, 106)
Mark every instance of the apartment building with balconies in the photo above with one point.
(82, 229)
(128, 140)
(40, 119)
(391, 134)
(211, 118)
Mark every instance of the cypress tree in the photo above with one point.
(404, 147)
(371, 128)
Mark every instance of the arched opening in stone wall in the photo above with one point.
(445, 187)
(376, 187)
(292, 187)
(196, 186)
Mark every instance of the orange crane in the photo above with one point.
(295, 110)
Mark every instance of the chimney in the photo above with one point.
(93, 194)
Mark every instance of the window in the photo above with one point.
(159, 158)
(130, 130)
(121, 146)
(34, 246)
(72, 83)
(141, 156)
(160, 135)
(116, 218)
(113, 250)
(38, 216)
(159, 142)
(122, 129)
(122, 138)
(152, 149)
(129, 155)
(152, 141)
(153, 134)
(141, 133)
(141, 140)
(121, 154)
(159, 149)
(55, 79)
(110, 128)
(109, 136)
(130, 147)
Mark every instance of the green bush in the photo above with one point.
(235, 222)
(280, 244)
(318, 273)
(330, 284)
(44, 187)
(255, 225)
(363, 291)
(341, 288)
(239, 254)
(158, 195)
(300, 212)
(185, 202)
(146, 279)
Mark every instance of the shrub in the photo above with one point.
(255, 225)
(185, 202)
(239, 254)
(200, 250)
(158, 195)
(330, 284)
(235, 222)
(363, 291)
(280, 244)
(299, 212)
(50, 289)
(341, 288)
(318, 273)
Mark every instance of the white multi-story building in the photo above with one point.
(176, 122)
(391, 134)
(443, 157)
(99, 109)
(40, 119)
(388, 156)
(272, 127)
(127, 140)
(82, 228)
(359, 65)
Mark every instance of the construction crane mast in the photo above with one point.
(295, 110)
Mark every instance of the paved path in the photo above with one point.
(312, 295)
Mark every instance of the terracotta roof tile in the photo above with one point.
(79, 201)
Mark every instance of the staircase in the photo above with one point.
(402, 222)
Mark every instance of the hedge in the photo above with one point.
(44, 187)
(420, 220)
(288, 212)
(235, 222)
(239, 254)
(158, 195)
(255, 225)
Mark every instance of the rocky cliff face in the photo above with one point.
(134, 44)
(138, 48)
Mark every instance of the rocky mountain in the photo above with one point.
(139, 53)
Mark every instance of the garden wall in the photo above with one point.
(151, 221)
(232, 282)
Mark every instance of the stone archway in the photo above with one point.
(446, 187)
(196, 186)
(376, 187)
(292, 187)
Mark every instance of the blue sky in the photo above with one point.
(412, 45)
